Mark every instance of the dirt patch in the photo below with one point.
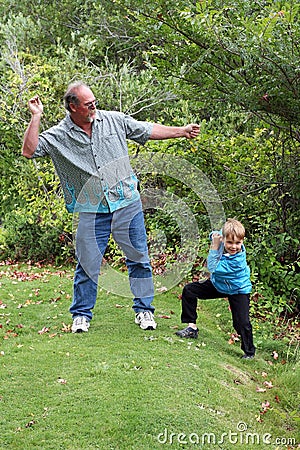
(240, 377)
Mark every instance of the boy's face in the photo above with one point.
(232, 244)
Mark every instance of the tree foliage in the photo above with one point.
(243, 53)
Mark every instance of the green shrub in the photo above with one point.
(27, 236)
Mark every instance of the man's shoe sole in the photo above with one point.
(149, 327)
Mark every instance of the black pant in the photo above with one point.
(239, 305)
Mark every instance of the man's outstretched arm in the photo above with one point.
(166, 132)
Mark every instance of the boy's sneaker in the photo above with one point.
(80, 324)
(245, 356)
(188, 332)
(145, 320)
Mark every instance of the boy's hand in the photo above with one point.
(216, 241)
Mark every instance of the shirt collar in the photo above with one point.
(71, 125)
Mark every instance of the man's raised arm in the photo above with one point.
(31, 136)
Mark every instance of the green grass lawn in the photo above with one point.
(119, 388)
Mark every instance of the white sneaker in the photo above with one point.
(145, 320)
(80, 324)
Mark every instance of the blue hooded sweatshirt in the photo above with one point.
(230, 274)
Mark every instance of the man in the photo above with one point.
(89, 151)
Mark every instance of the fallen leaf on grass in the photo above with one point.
(10, 333)
(23, 276)
(66, 328)
(268, 384)
(30, 424)
(150, 338)
(265, 407)
(54, 300)
(44, 330)
(233, 338)
(163, 316)
(201, 345)
(212, 410)
(259, 389)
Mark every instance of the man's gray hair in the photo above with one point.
(71, 94)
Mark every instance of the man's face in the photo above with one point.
(85, 111)
(232, 244)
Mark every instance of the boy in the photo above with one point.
(229, 276)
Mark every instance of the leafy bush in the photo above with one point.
(276, 282)
(26, 235)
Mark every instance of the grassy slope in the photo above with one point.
(118, 387)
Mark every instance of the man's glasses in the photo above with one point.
(91, 105)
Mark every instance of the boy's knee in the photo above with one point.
(186, 291)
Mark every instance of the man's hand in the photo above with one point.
(31, 136)
(35, 105)
(192, 130)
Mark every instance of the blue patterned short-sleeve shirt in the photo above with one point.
(95, 172)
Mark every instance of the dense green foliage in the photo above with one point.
(234, 67)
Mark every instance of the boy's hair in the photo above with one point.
(233, 227)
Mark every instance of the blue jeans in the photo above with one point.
(128, 230)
